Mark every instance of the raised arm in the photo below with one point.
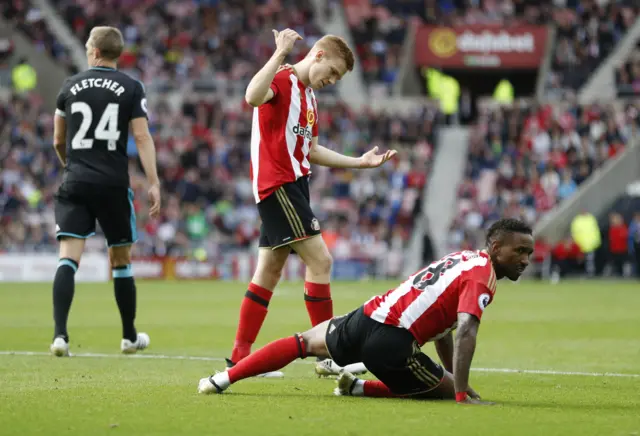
(259, 89)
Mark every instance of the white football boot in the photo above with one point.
(328, 368)
(142, 342)
(347, 382)
(60, 347)
(215, 384)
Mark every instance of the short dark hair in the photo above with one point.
(507, 225)
(108, 40)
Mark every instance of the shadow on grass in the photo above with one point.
(568, 405)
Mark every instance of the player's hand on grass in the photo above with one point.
(372, 159)
(154, 199)
(285, 40)
(476, 401)
(473, 394)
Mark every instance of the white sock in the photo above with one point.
(358, 388)
(222, 380)
(356, 368)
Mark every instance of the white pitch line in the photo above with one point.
(220, 359)
(551, 372)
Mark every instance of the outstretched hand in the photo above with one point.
(372, 159)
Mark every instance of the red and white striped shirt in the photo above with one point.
(427, 304)
(281, 135)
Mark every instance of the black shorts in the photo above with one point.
(78, 205)
(390, 353)
(287, 216)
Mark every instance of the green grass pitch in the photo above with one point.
(587, 327)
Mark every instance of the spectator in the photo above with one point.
(567, 259)
(618, 243)
(24, 76)
(541, 258)
(586, 233)
(567, 187)
(634, 241)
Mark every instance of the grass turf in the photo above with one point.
(574, 326)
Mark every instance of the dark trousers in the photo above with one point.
(565, 267)
(617, 261)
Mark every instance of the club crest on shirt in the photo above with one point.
(315, 224)
(311, 117)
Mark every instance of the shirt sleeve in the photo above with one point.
(474, 298)
(139, 102)
(314, 129)
(274, 87)
(61, 101)
(279, 80)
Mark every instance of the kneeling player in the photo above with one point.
(386, 333)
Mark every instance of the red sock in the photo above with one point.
(375, 388)
(253, 311)
(317, 298)
(272, 357)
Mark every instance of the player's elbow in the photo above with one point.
(252, 100)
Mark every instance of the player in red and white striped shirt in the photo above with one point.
(386, 333)
(284, 144)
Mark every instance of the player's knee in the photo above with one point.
(322, 265)
(71, 248)
(269, 272)
(267, 279)
(120, 256)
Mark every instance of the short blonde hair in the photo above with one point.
(108, 40)
(338, 46)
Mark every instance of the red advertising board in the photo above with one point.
(481, 46)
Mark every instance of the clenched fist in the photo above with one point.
(285, 40)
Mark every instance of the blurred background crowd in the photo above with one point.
(522, 162)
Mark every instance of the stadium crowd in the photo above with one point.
(170, 42)
(628, 75)
(26, 17)
(379, 27)
(203, 159)
(523, 162)
(587, 32)
(211, 43)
